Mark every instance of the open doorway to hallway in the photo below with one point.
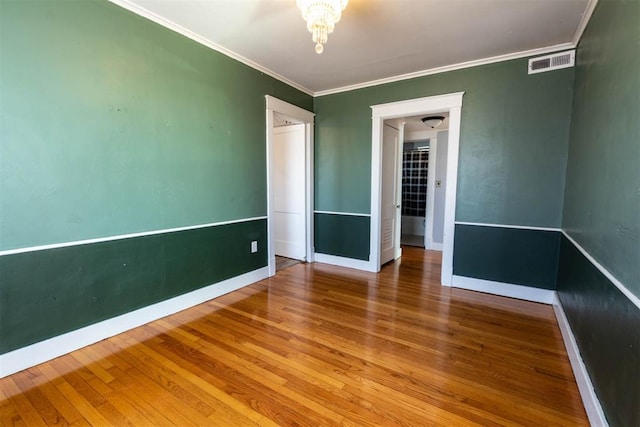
(424, 165)
(451, 103)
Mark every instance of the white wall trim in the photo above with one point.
(519, 227)
(526, 293)
(586, 16)
(618, 284)
(290, 110)
(51, 348)
(432, 164)
(398, 229)
(587, 393)
(435, 246)
(447, 68)
(344, 262)
(310, 185)
(398, 109)
(342, 213)
(274, 105)
(125, 236)
(145, 13)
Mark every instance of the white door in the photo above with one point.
(288, 190)
(390, 214)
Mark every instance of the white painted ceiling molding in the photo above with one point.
(377, 41)
(447, 68)
(586, 16)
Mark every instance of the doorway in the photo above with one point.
(424, 166)
(289, 182)
(416, 163)
(287, 191)
(451, 103)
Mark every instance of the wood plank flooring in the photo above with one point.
(317, 346)
(283, 262)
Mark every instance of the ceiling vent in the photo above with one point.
(552, 62)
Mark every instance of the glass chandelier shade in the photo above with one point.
(321, 17)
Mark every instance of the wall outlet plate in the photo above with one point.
(254, 246)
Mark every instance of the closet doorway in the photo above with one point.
(289, 182)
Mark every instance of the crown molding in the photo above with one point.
(586, 17)
(447, 68)
(145, 13)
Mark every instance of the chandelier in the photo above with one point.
(321, 17)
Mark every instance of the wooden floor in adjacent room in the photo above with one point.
(318, 346)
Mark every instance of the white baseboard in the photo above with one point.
(344, 262)
(34, 354)
(587, 393)
(527, 293)
(435, 246)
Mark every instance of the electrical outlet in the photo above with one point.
(254, 246)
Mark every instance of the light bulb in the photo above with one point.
(319, 48)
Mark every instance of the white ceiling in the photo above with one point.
(375, 39)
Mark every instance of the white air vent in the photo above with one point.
(552, 62)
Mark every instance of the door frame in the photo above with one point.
(431, 187)
(449, 102)
(275, 105)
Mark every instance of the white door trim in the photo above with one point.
(453, 104)
(274, 105)
(431, 188)
(398, 232)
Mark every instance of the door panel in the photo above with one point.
(288, 189)
(389, 197)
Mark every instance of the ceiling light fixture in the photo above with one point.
(321, 17)
(433, 121)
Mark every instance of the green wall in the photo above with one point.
(50, 292)
(342, 235)
(112, 124)
(507, 255)
(513, 145)
(513, 142)
(604, 322)
(602, 196)
(602, 208)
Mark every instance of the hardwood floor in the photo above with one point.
(318, 346)
(283, 262)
